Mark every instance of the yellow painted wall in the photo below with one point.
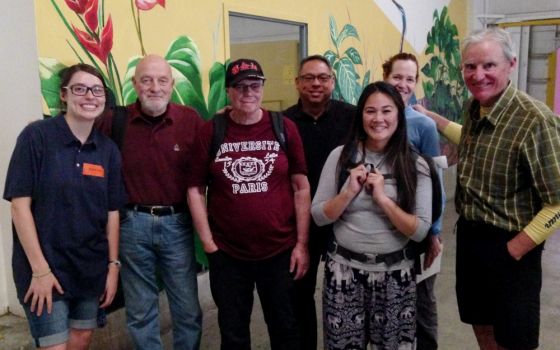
(206, 23)
(279, 61)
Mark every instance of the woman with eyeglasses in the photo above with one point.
(383, 200)
(64, 184)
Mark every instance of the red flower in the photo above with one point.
(91, 16)
(78, 6)
(98, 47)
(148, 4)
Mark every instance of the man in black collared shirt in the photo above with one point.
(323, 124)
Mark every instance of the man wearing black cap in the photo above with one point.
(254, 225)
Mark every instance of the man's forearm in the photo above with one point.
(113, 234)
(199, 214)
(302, 205)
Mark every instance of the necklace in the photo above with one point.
(372, 165)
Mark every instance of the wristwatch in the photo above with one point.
(116, 262)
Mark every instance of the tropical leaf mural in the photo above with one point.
(444, 88)
(348, 85)
(92, 33)
(184, 58)
(49, 69)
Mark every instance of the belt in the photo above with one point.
(159, 210)
(389, 258)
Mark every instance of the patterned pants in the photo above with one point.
(363, 307)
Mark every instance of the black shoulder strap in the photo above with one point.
(219, 133)
(342, 176)
(421, 247)
(278, 126)
(344, 173)
(436, 188)
(118, 126)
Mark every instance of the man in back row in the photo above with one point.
(156, 230)
(507, 196)
(323, 124)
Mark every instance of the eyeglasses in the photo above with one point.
(82, 90)
(254, 87)
(309, 78)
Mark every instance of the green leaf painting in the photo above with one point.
(49, 70)
(184, 58)
(444, 88)
(128, 93)
(347, 31)
(348, 85)
(217, 97)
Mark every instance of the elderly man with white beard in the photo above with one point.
(156, 227)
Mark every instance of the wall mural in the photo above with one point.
(91, 37)
(348, 86)
(92, 31)
(444, 88)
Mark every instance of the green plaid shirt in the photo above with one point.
(509, 161)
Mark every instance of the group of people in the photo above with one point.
(270, 194)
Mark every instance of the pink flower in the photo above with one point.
(98, 47)
(148, 4)
(91, 16)
(78, 6)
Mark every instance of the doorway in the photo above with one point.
(278, 45)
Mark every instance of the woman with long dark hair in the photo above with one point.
(65, 187)
(384, 201)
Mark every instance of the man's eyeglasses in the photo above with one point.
(254, 87)
(82, 90)
(309, 78)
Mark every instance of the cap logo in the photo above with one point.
(243, 67)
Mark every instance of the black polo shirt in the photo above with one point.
(72, 187)
(323, 135)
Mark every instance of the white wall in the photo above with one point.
(516, 10)
(20, 99)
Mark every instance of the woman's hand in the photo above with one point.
(376, 183)
(110, 285)
(335, 206)
(358, 176)
(40, 293)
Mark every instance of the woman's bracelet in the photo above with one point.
(42, 274)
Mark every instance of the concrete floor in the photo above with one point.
(453, 334)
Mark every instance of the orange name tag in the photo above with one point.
(93, 170)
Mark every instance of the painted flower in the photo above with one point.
(78, 6)
(91, 16)
(99, 47)
(148, 4)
